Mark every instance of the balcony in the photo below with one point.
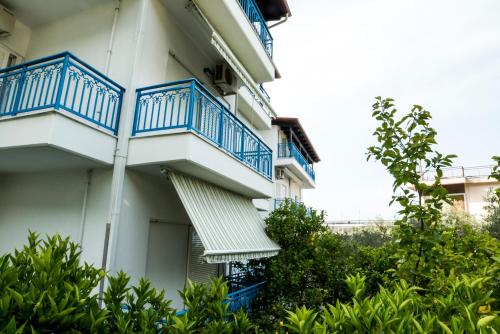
(258, 23)
(61, 105)
(281, 201)
(291, 157)
(244, 31)
(183, 126)
(460, 173)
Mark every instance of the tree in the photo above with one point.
(406, 147)
(493, 204)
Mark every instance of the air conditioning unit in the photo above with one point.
(280, 173)
(225, 79)
(7, 22)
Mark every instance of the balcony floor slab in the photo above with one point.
(293, 166)
(49, 139)
(191, 154)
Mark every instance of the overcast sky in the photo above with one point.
(335, 56)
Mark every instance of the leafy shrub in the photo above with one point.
(492, 219)
(312, 262)
(466, 308)
(45, 289)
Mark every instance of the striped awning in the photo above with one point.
(228, 224)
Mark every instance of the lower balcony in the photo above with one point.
(290, 157)
(281, 201)
(182, 126)
(57, 112)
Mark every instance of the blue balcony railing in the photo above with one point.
(280, 201)
(289, 150)
(186, 104)
(243, 299)
(61, 82)
(240, 299)
(268, 98)
(253, 13)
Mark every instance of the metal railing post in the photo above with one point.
(119, 111)
(136, 112)
(242, 143)
(191, 105)
(258, 158)
(221, 127)
(61, 82)
(20, 84)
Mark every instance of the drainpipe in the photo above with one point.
(109, 52)
(83, 215)
(279, 22)
(124, 131)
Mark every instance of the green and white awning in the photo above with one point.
(228, 224)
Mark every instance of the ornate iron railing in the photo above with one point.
(258, 23)
(62, 82)
(186, 104)
(261, 87)
(289, 150)
(280, 201)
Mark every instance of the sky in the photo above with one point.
(335, 56)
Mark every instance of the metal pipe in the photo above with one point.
(109, 52)
(83, 215)
(124, 130)
(279, 22)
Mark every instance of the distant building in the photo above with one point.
(294, 158)
(351, 226)
(467, 186)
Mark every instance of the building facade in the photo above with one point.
(294, 157)
(140, 129)
(468, 187)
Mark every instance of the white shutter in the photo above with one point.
(199, 270)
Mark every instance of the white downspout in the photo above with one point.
(83, 215)
(124, 131)
(279, 22)
(109, 52)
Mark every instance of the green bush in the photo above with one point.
(492, 219)
(466, 308)
(44, 288)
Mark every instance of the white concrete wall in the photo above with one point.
(145, 197)
(87, 34)
(19, 40)
(51, 202)
(475, 194)
(168, 258)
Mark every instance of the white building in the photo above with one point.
(140, 128)
(468, 187)
(294, 159)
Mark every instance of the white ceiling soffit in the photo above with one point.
(228, 224)
(38, 12)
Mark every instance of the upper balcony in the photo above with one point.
(59, 112)
(181, 125)
(458, 175)
(291, 157)
(296, 153)
(244, 29)
(258, 23)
